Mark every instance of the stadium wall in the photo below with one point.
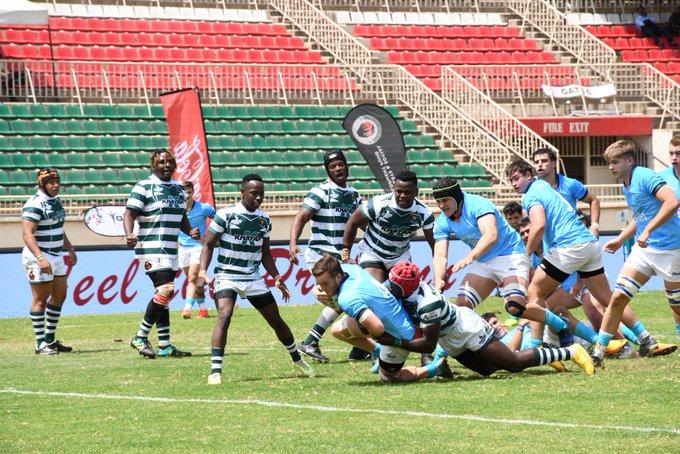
(110, 281)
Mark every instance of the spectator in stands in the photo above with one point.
(674, 22)
(513, 213)
(648, 27)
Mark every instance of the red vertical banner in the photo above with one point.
(188, 144)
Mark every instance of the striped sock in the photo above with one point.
(293, 351)
(200, 302)
(550, 355)
(153, 311)
(51, 319)
(585, 332)
(640, 330)
(38, 321)
(628, 333)
(216, 355)
(325, 319)
(555, 321)
(163, 327)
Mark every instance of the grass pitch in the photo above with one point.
(104, 397)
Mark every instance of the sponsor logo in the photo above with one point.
(366, 129)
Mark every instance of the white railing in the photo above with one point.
(345, 48)
(485, 111)
(572, 38)
(29, 80)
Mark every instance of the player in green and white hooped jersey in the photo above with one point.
(241, 232)
(390, 221)
(328, 205)
(157, 203)
(457, 331)
(42, 223)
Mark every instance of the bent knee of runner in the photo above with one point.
(515, 308)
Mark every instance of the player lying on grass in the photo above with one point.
(241, 232)
(460, 332)
(656, 227)
(371, 311)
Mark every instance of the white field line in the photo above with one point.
(375, 411)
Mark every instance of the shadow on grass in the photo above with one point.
(280, 377)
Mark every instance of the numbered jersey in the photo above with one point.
(241, 234)
(360, 291)
(426, 306)
(160, 206)
(563, 227)
(332, 206)
(49, 214)
(391, 228)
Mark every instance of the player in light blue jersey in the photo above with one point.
(672, 177)
(371, 311)
(657, 232)
(241, 232)
(496, 251)
(389, 221)
(570, 247)
(189, 251)
(545, 162)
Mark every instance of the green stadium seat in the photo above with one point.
(70, 189)
(110, 159)
(22, 110)
(127, 176)
(20, 177)
(4, 178)
(93, 159)
(408, 126)
(277, 187)
(5, 160)
(20, 126)
(75, 143)
(19, 143)
(289, 127)
(57, 159)
(280, 174)
(18, 191)
(39, 160)
(5, 111)
(91, 110)
(243, 142)
(296, 186)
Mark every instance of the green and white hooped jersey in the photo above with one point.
(49, 214)
(241, 233)
(391, 228)
(332, 206)
(426, 306)
(160, 206)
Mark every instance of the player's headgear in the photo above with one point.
(333, 155)
(45, 175)
(406, 276)
(448, 187)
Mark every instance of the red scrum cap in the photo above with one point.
(405, 275)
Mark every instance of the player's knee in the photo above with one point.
(514, 291)
(673, 296)
(164, 293)
(468, 297)
(514, 308)
(625, 289)
(389, 376)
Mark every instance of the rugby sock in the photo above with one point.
(535, 343)
(603, 339)
(555, 321)
(628, 333)
(51, 319)
(216, 355)
(376, 351)
(189, 303)
(163, 327)
(440, 353)
(200, 302)
(550, 355)
(432, 368)
(326, 319)
(153, 311)
(640, 330)
(585, 332)
(38, 321)
(292, 349)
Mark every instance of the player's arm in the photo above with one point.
(669, 206)
(516, 341)
(441, 252)
(592, 200)
(424, 344)
(185, 227)
(28, 229)
(270, 266)
(489, 229)
(371, 323)
(301, 219)
(538, 221)
(429, 237)
(72, 257)
(356, 221)
(629, 231)
(129, 225)
(209, 242)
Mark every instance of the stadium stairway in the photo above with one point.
(106, 149)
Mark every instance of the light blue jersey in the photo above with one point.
(673, 181)
(563, 227)
(360, 291)
(641, 198)
(467, 230)
(572, 190)
(526, 337)
(197, 218)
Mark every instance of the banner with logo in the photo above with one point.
(378, 137)
(106, 220)
(110, 281)
(575, 91)
(188, 144)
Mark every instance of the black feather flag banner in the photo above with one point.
(378, 137)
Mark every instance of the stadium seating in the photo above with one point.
(105, 150)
